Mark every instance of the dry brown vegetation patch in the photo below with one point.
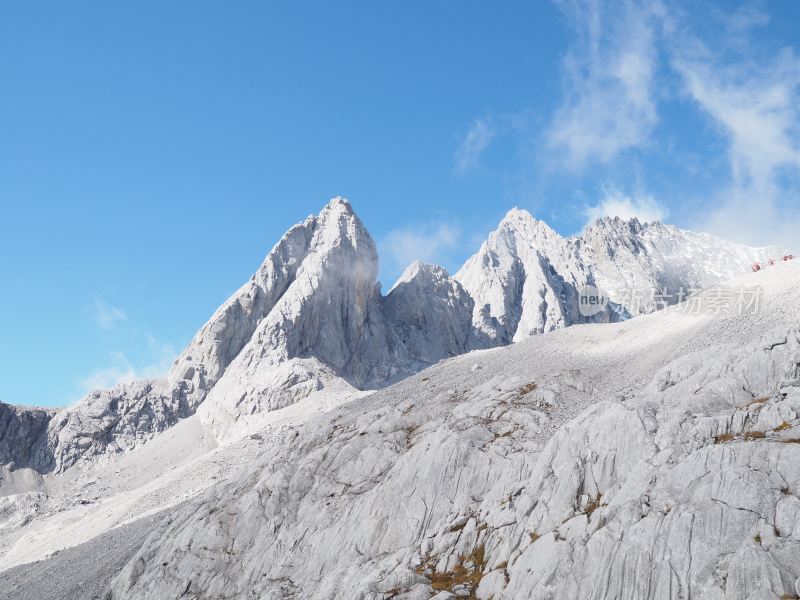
(525, 390)
(593, 505)
(758, 402)
(467, 572)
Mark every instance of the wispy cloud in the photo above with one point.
(629, 55)
(122, 369)
(617, 204)
(107, 317)
(609, 105)
(755, 105)
(154, 357)
(473, 144)
(430, 242)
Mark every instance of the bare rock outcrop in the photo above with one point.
(431, 313)
(23, 436)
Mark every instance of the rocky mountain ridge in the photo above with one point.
(312, 317)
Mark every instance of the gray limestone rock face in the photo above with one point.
(431, 313)
(23, 436)
(524, 280)
(114, 420)
(111, 420)
(327, 324)
(687, 490)
(313, 258)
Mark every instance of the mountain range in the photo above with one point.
(479, 436)
(312, 317)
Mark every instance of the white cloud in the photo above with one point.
(120, 372)
(123, 370)
(431, 243)
(610, 72)
(755, 106)
(473, 144)
(756, 110)
(107, 317)
(616, 204)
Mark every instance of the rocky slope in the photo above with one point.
(312, 321)
(657, 458)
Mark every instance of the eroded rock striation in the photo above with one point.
(689, 489)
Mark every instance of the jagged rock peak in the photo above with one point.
(522, 221)
(518, 214)
(339, 203)
(430, 312)
(421, 270)
(335, 240)
(632, 226)
(340, 212)
(615, 220)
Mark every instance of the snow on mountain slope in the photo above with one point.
(312, 319)
(652, 459)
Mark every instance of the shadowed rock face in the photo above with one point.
(23, 437)
(313, 314)
(431, 313)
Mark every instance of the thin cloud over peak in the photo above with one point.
(617, 204)
(430, 242)
(107, 317)
(123, 369)
(473, 144)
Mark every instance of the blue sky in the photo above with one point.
(152, 153)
